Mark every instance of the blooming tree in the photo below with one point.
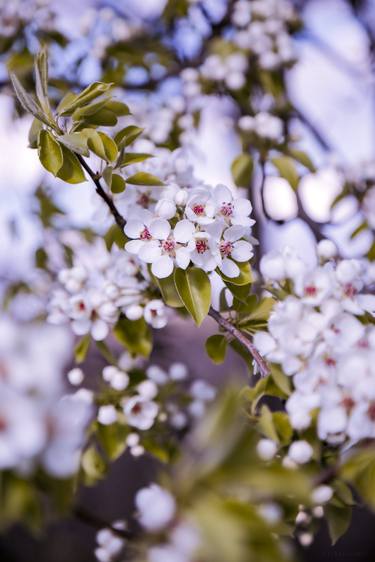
(242, 470)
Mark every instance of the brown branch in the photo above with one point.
(99, 523)
(120, 221)
(322, 141)
(242, 338)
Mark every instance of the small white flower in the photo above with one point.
(156, 507)
(322, 494)
(266, 449)
(140, 412)
(107, 414)
(300, 452)
(155, 314)
(75, 376)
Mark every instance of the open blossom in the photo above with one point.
(317, 337)
(140, 412)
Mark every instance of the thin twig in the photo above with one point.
(242, 338)
(120, 221)
(99, 523)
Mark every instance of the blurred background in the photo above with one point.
(333, 86)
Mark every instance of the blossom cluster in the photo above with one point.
(262, 30)
(263, 125)
(188, 223)
(39, 424)
(93, 293)
(162, 396)
(17, 13)
(320, 337)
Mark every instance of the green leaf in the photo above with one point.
(36, 127)
(242, 170)
(127, 135)
(302, 158)
(103, 117)
(93, 466)
(27, 102)
(287, 170)
(113, 439)
(280, 379)
(118, 107)
(115, 236)
(361, 228)
(194, 289)
(81, 349)
(85, 97)
(283, 428)
(88, 110)
(216, 347)
(338, 519)
(50, 153)
(76, 142)
(110, 147)
(41, 80)
(117, 184)
(143, 178)
(168, 291)
(266, 424)
(133, 158)
(134, 335)
(71, 170)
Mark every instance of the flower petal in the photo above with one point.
(183, 231)
(242, 251)
(150, 251)
(234, 233)
(229, 268)
(222, 194)
(183, 257)
(160, 228)
(162, 267)
(242, 206)
(133, 228)
(134, 246)
(99, 330)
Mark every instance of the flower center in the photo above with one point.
(329, 361)
(143, 200)
(350, 291)
(198, 209)
(226, 248)
(348, 403)
(201, 245)
(145, 234)
(168, 246)
(3, 424)
(371, 411)
(137, 408)
(227, 209)
(81, 306)
(311, 291)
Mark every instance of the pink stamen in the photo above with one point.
(226, 248)
(201, 246)
(198, 209)
(145, 234)
(311, 291)
(227, 209)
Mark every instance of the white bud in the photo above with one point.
(300, 452)
(303, 518)
(147, 389)
(287, 462)
(137, 451)
(134, 312)
(178, 372)
(75, 376)
(266, 449)
(246, 123)
(305, 539)
(119, 381)
(181, 197)
(326, 249)
(165, 208)
(107, 414)
(318, 511)
(322, 494)
(132, 439)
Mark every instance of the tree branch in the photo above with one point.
(120, 221)
(242, 338)
(99, 523)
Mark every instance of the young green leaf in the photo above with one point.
(242, 170)
(133, 158)
(81, 349)
(49, 151)
(117, 184)
(76, 142)
(143, 178)
(27, 102)
(36, 127)
(71, 170)
(110, 147)
(216, 347)
(85, 97)
(41, 80)
(194, 289)
(287, 170)
(127, 135)
(118, 107)
(134, 335)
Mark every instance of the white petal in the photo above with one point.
(242, 251)
(134, 246)
(222, 194)
(234, 233)
(242, 206)
(160, 228)
(229, 268)
(162, 267)
(99, 330)
(133, 228)
(81, 327)
(183, 231)
(183, 257)
(150, 251)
